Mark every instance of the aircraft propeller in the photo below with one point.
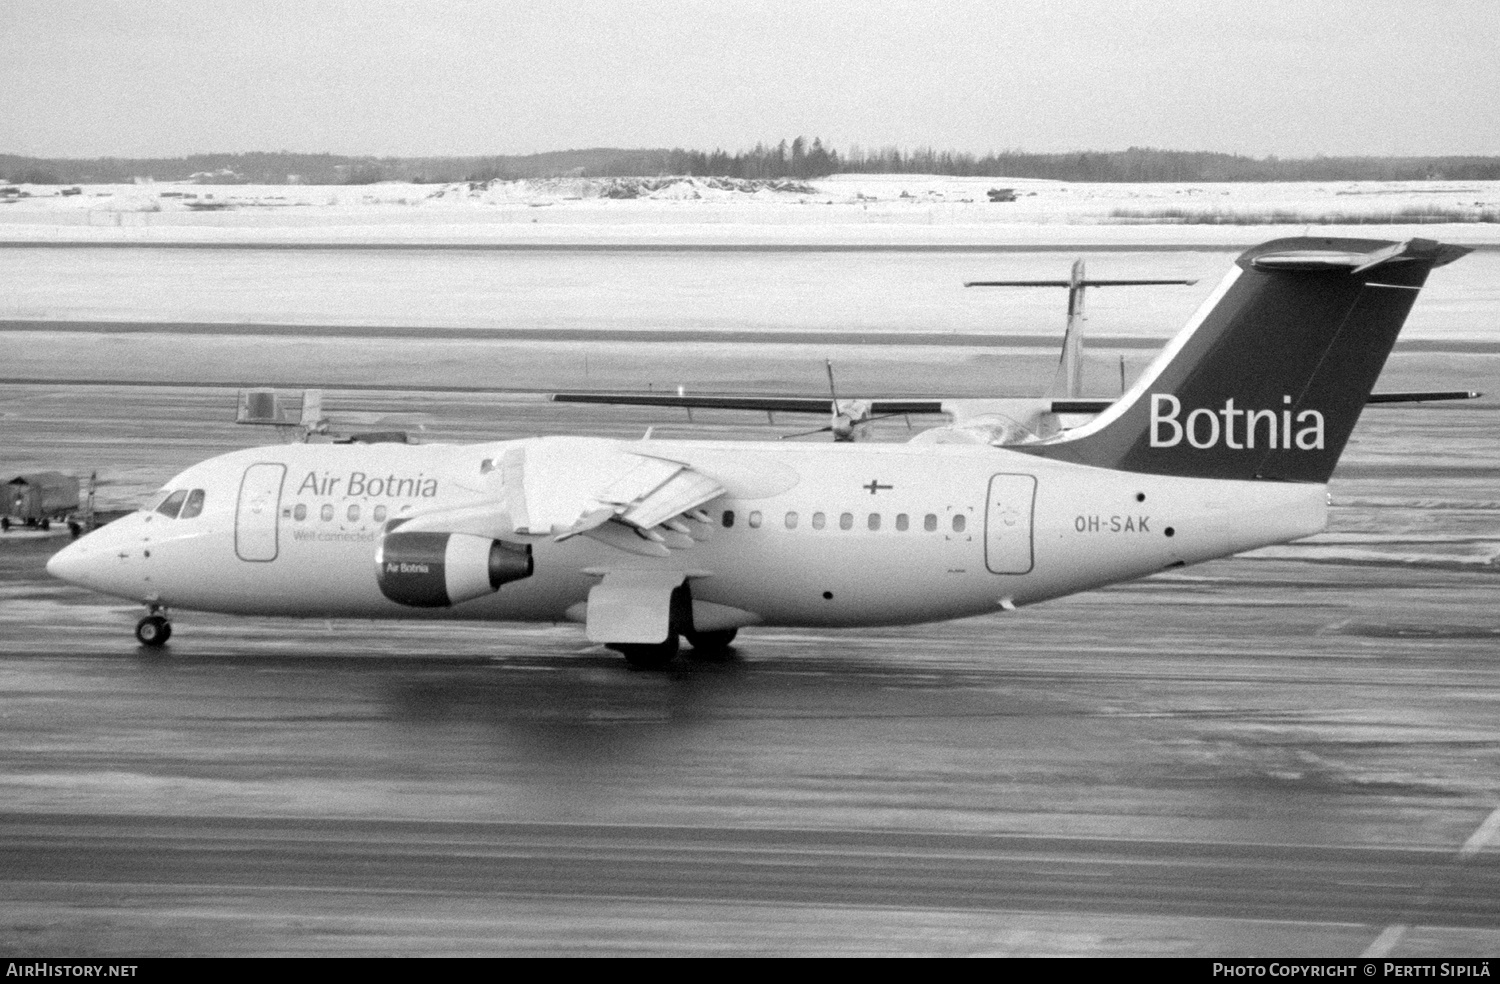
(848, 415)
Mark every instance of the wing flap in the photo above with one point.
(684, 491)
(644, 478)
(622, 537)
(567, 487)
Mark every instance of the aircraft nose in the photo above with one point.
(71, 564)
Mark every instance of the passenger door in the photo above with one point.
(1007, 524)
(255, 517)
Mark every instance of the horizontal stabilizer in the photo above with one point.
(1314, 259)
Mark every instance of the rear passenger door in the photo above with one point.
(1007, 524)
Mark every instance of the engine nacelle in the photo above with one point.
(435, 570)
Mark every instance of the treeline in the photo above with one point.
(276, 167)
(799, 158)
(1144, 164)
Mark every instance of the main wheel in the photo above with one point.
(153, 631)
(647, 656)
(711, 643)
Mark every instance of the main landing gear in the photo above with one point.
(706, 645)
(648, 656)
(154, 630)
(711, 645)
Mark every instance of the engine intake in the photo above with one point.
(435, 570)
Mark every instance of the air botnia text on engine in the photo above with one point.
(436, 570)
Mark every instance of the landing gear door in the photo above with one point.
(255, 516)
(633, 607)
(1007, 524)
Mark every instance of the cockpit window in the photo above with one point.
(172, 504)
(155, 499)
(194, 504)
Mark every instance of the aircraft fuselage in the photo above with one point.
(804, 534)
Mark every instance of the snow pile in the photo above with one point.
(668, 188)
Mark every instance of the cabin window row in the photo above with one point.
(846, 521)
(327, 512)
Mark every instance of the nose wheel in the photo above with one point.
(153, 631)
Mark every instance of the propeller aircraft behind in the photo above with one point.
(1225, 443)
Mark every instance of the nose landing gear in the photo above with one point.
(153, 630)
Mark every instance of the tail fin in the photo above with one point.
(1269, 377)
(1068, 382)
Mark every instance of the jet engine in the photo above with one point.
(435, 570)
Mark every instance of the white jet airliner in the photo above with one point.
(1224, 444)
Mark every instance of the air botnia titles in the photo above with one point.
(359, 484)
(1201, 428)
(1366, 969)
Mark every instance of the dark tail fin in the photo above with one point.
(1269, 378)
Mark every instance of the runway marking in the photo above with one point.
(1481, 837)
(1477, 842)
(1386, 941)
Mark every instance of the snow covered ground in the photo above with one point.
(897, 290)
(843, 209)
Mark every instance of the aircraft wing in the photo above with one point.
(1423, 396)
(564, 487)
(793, 404)
(1081, 406)
(770, 404)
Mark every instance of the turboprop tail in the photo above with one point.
(1269, 377)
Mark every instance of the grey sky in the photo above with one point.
(88, 78)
